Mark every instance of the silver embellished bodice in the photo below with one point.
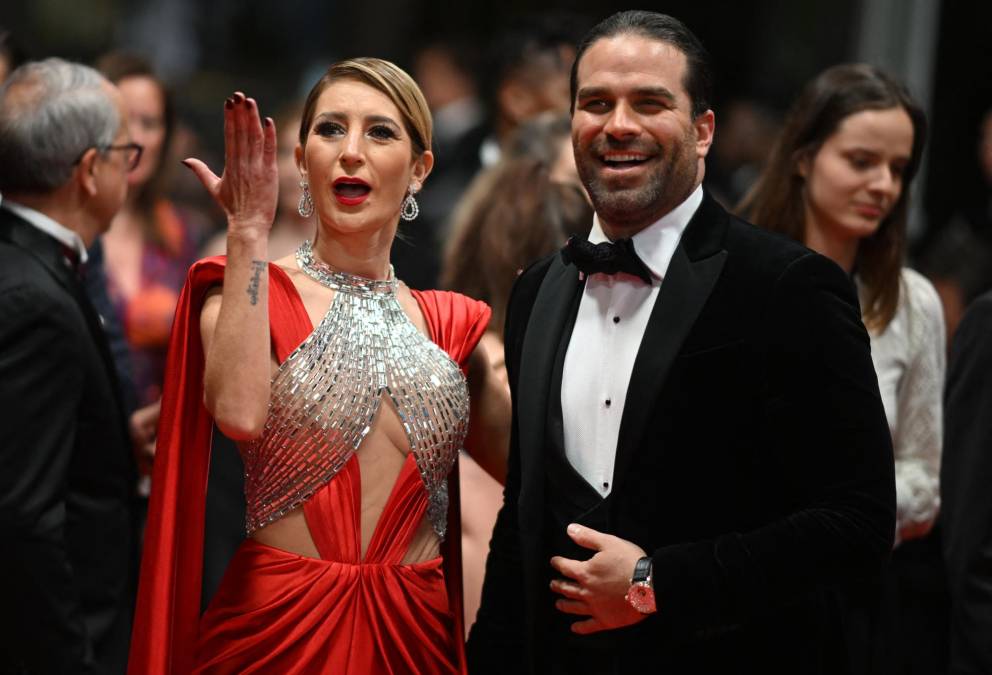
(325, 396)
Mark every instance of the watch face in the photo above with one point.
(641, 597)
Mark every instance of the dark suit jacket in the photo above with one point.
(66, 471)
(753, 463)
(966, 491)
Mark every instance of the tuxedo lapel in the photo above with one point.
(554, 301)
(691, 275)
(43, 248)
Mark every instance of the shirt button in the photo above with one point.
(606, 486)
(608, 401)
(616, 319)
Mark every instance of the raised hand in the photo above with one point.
(249, 187)
(597, 588)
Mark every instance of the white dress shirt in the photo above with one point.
(50, 227)
(613, 315)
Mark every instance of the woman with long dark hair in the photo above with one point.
(839, 180)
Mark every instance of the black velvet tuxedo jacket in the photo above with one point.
(753, 463)
(966, 491)
(66, 473)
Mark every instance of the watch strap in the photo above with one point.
(642, 570)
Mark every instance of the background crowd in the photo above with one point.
(505, 190)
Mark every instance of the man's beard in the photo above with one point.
(667, 185)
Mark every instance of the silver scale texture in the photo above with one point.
(325, 396)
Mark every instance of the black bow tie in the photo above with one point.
(607, 258)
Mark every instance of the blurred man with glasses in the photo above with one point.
(65, 463)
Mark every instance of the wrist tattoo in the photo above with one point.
(257, 267)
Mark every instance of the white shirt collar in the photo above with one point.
(53, 229)
(653, 243)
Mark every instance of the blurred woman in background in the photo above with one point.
(839, 180)
(150, 244)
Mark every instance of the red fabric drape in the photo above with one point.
(166, 627)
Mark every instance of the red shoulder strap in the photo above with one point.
(168, 608)
(456, 322)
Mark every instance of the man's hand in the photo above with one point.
(144, 429)
(597, 588)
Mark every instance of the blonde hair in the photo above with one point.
(387, 78)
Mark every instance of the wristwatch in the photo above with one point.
(640, 595)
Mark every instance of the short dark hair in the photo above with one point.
(698, 80)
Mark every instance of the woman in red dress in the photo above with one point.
(347, 394)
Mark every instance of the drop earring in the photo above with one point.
(305, 207)
(410, 208)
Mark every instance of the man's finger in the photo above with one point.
(576, 607)
(569, 568)
(567, 589)
(588, 626)
(586, 537)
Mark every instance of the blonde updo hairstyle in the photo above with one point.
(385, 77)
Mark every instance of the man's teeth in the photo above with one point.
(624, 158)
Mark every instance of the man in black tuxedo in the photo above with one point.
(966, 497)
(66, 471)
(700, 468)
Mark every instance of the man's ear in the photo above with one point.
(85, 173)
(705, 126)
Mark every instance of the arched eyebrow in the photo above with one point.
(336, 116)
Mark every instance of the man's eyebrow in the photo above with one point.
(591, 92)
(658, 92)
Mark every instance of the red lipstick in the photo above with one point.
(351, 191)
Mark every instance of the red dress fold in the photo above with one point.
(277, 611)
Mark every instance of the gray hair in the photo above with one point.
(51, 112)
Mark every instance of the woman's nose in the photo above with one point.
(352, 152)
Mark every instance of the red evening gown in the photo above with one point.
(279, 612)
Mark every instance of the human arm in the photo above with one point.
(918, 435)
(234, 321)
(42, 383)
(489, 428)
(966, 474)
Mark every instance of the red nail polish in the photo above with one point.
(229, 103)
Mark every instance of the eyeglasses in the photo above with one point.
(132, 153)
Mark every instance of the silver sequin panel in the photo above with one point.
(325, 396)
